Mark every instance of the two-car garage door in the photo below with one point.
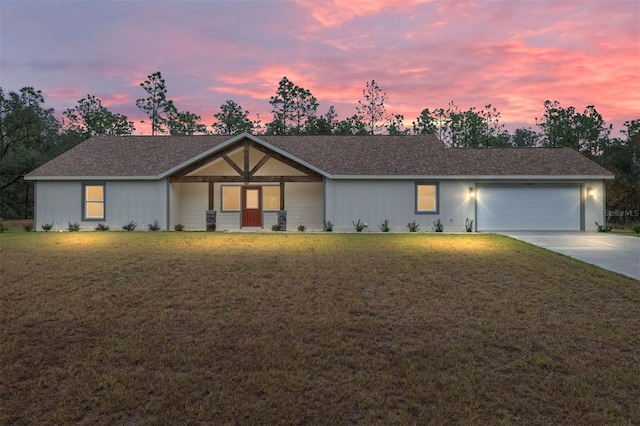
(528, 208)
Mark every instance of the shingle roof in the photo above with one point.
(153, 156)
(127, 155)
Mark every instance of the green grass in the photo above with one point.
(215, 328)
(629, 232)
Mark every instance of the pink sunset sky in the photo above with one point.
(423, 54)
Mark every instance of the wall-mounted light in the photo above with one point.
(590, 192)
(472, 191)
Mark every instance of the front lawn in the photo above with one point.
(214, 328)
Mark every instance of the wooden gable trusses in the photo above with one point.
(245, 173)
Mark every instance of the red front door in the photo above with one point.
(251, 206)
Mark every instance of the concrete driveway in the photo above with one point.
(617, 253)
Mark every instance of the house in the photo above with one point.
(253, 182)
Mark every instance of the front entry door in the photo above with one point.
(251, 206)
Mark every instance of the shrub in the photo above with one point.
(328, 226)
(28, 227)
(73, 227)
(275, 227)
(3, 226)
(438, 226)
(359, 225)
(155, 226)
(211, 227)
(179, 227)
(413, 226)
(302, 228)
(102, 227)
(603, 228)
(130, 226)
(468, 224)
(384, 226)
(636, 228)
(46, 227)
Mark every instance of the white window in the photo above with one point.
(231, 198)
(427, 198)
(93, 195)
(271, 197)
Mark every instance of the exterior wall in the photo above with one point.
(191, 204)
(594, 206)
(60, 202)
(226, 220)
(373, 201)
(303, 202)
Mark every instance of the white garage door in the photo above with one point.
(528, 208)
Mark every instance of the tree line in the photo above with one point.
(30, 133)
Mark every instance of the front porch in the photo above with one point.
(246, 186)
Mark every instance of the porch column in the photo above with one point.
(211, 213)
(281, 194)
(210, 195)
(282, 213)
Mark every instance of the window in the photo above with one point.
(271, 197)
(230, 198)
(427, 198)
(252, 198)
(93, 202)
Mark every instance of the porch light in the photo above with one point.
(472, 191)
(590, 192)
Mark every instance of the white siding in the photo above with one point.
(192, 204)
(373, 201)
(346, 201)
(58, 203)
(303, 203)
(139, 201)
(594, 207)
(225, 220)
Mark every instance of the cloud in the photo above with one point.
(512, 54)
(331, 13)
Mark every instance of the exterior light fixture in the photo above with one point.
(472, 191)
(590, 192)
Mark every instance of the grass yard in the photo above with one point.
(195, 328)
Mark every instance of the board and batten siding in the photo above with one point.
(373, 201)
(60, 202)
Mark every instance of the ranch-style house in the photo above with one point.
(253, 182)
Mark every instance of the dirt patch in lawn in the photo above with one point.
(139, 327)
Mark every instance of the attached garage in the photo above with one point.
(529, 207)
